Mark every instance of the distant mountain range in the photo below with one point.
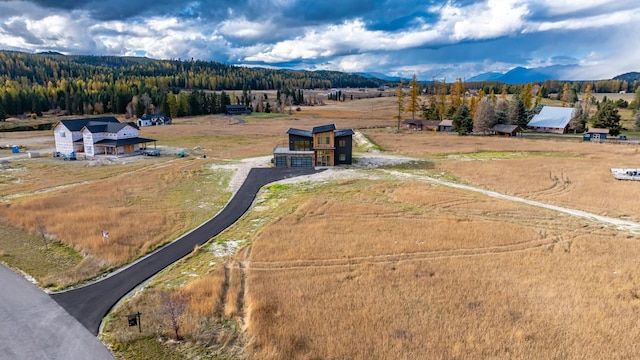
(522, 75)
(380, 76)
(628, 77)
(515, 76)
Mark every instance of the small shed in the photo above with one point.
(506, 130)
(595, 134)
(413, 124)
(445, 125)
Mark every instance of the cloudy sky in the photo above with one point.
(456, 38)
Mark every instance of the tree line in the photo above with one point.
(34, 83)
(477, 111)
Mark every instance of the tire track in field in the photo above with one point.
(86, 182)
(622, 225)
(528, 245)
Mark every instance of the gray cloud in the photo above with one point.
(400, 37)
(19, 28)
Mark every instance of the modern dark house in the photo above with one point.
(237, 110)
(322, 146)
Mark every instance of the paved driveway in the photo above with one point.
(89, 304)
(33, 326)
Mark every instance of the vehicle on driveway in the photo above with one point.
(151, 152)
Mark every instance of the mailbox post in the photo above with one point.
(134, 319)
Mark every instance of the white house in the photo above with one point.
(98, 136)
(154, 119)
(552, 119)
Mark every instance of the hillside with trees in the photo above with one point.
(33, 83)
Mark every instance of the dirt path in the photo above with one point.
(623, 225)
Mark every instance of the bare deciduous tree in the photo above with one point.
(42, 231)
(173, 306)
(484, 117)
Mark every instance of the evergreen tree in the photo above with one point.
(461, 121)
(164, 108)
(518, 113)
(607, 117)
(140, 109)
(3, 113)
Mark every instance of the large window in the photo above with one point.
(302, 145)
(324, 139)
(342, 143)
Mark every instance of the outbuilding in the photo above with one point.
(506, 130)
(445, 126)
(551, 119)
(595, 134)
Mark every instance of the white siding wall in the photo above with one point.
(127, 132)
(88, 140)
(64, 139)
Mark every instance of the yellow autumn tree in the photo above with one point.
(412, 101)
(565, 94)
(400, 101)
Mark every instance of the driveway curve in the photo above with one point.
(90, 303)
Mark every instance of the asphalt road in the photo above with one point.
(32, 326)
(89, 304)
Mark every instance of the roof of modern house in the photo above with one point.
(345, 132)
(446, 123)
(305, 133)
(505, 128)
(319, 129)
(323, 128)
(597, 131)
(78, 124)
(552, 117)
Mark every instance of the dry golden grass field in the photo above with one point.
(371, 266)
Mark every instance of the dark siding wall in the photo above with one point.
(346, 150)
(294, 138)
